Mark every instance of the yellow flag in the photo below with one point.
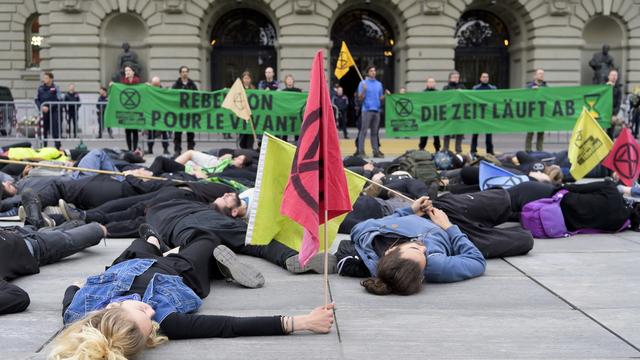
(345, 61)
(588, 146)
(236, 101)
(265, 221)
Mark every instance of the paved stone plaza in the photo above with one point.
(574, 298)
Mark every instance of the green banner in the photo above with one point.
(495, 111)
(147, 107)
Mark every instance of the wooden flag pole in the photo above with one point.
(64, 167)
(358, 70)
(327, 289)
(253, 130)
(326, 260)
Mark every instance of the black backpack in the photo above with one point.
(418, 163)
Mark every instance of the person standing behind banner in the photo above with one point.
(131, 135)
(537, 82)
(289, 85)
(152, 134)
(72, 109)
(612, 81)
(431, 86)
(100, 111)
(269, 82)
(245, 141)
(371, 93)
(341, 102)
(454, 84)
(184, 83)
(484, 85)
(49, 92)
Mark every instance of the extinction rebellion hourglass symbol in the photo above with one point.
(591, 100)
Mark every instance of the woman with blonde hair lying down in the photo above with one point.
(145, 299)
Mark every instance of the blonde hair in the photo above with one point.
(107, 334)
(555, 174)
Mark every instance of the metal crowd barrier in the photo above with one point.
(59, 126)
(19, 119)
(22, 120)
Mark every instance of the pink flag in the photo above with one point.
(317, 181)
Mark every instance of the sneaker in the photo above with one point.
(52, 210)
(69, 212)
(360, 154)
(378, 154)
(315, 264)
(232, 268)
(32, 208)
(22, 215)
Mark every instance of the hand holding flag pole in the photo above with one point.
(236, 101)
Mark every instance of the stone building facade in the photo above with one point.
(79, 40)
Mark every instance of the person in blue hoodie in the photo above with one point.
(404, 249)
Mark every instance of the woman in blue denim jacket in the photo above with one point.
(146, 298)
(403, 249)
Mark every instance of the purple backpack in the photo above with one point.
(545, 220)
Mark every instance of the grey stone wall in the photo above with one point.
(545, 33)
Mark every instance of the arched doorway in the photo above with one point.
(370, 39)
(599, 31)
(242, 39)
(115, 31)
(482, 46)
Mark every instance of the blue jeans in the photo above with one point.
(98, 160)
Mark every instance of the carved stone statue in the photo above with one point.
(602, 63)
(127, 57)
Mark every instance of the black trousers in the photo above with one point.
(177, 141)
(51, 123)
(131, 136)
(87, 193)
(194, 263)
(152, 134)
(162, 165)
(275, 252)
(124, 216)
(488, 140)
(52, 245)
(529, 191)
(245, 141)
(72, 119)
(478, 213)
(12, 298)
(134, 206)
(425, 139)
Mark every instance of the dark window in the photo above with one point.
(243, 39)
(483, 46)
(33, 42)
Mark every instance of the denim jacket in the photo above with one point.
(451, 256)
(166, 294)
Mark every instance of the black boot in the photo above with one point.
(33, 210)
